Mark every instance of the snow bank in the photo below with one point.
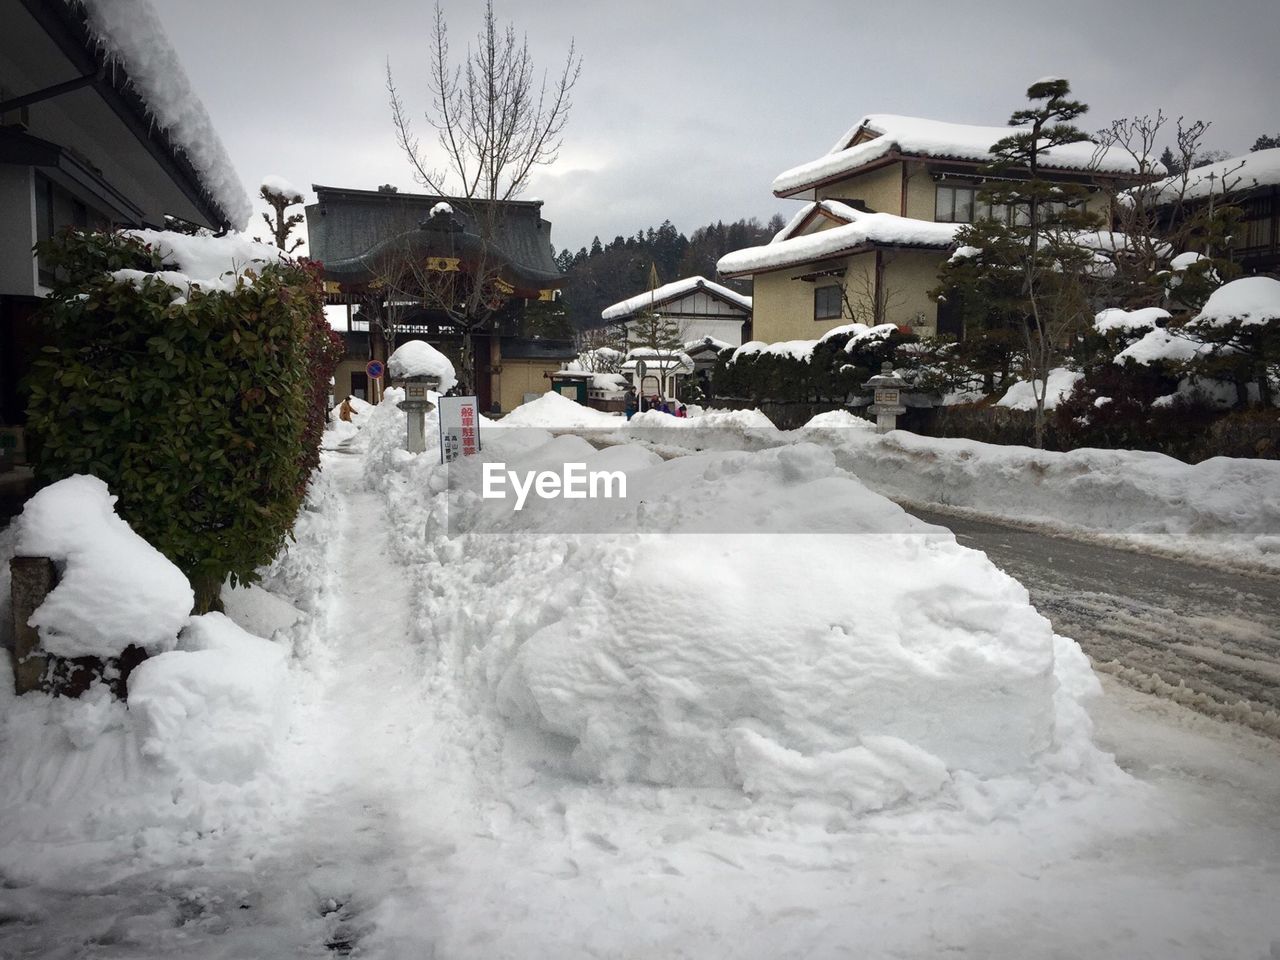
(1022, 395)
(1227, 507)
(551, 411)
(131, 34)
(211, 711)
(114, 588)
(711, 430)
(864, 658)
(91, 786)
(417, 358)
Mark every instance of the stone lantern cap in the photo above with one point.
(886, 379)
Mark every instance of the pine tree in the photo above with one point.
(1265, 142)
(1027, 270)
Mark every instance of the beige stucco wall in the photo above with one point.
(523, 376)
(880, 190)
(784, 305)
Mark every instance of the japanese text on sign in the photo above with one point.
(459, 428)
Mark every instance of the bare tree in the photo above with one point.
(1186, 212)
(870, 297)
(496, 120)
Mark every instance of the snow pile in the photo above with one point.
(282, 187)
(442, 209)
(417, 358)
(551, 411)
(1249, 301)
(131, 34)
(213, 709)
(710, 430)
(834, 423)
(918, 137)
(114, 588)
(702, 654)
(1022, 395)
(211, 263)
(1223, 506)
(857, 229)
(1115, 320)
(651, 299)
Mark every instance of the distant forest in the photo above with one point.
(603, 274)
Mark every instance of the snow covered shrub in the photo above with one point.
(831, 368)
(187, 373)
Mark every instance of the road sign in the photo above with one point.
(374, 369)
(641, 369)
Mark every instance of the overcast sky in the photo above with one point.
(686, 110)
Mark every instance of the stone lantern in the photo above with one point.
(886, 403)
(416, 404)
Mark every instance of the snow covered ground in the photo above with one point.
(512, 743)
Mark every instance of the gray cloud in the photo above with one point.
(687, 111)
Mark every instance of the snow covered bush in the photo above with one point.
(189, 374)
(831, 368)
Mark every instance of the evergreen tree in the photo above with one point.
(1027, 270)
(1170, 162)
(1265, 142)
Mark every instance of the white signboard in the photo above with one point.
(459, 428)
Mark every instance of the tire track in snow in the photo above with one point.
(1206, 638)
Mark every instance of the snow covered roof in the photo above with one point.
(1235, 175)
(652, 299)
(857, 229)
(881, 135)
(130, 36)
(707, 343)
(355, 232)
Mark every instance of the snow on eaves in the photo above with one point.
(857, 229)
(652, 299)
(918, 137)
(131, 35)
(1235, 175)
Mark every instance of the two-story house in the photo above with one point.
(882, 210)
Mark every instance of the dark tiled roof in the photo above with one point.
(349, 229)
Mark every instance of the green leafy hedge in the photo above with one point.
(202, 413)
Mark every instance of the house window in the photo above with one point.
(827, 303)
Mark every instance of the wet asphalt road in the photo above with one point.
(1206, 637)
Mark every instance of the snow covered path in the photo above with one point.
(421, 822)
(1204, 637)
